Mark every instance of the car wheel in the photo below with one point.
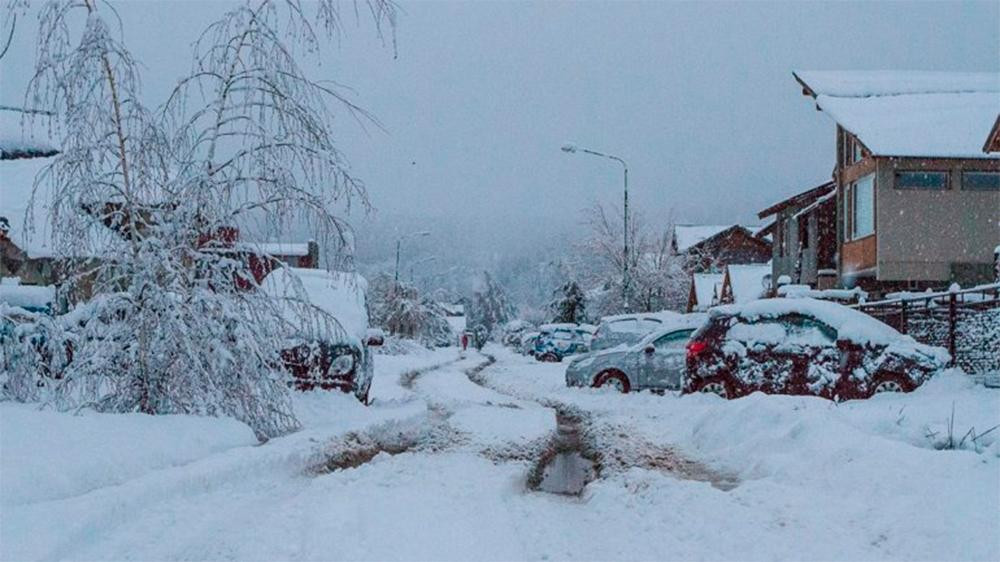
(890, 382)
(613, 379)
(719, 386)
(549, 358)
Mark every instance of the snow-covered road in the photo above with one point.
(690, 477)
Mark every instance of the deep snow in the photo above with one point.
(813, 479)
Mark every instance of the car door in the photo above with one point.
(662, 363)
(753, 349)
(813, 346)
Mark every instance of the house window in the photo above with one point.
(856, 155)
(863, 207)
(981, 181)
(922, 180)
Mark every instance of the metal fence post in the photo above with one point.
(952, 321)
(902, 317)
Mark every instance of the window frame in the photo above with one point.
(945, 184)
(855, 233)
(668, 338)
(995, 174)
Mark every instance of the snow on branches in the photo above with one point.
(148, 206)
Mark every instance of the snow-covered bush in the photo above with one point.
(489, 307)
(398, 308)
(155, 199)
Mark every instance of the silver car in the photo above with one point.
(630, 328)
(657, 362)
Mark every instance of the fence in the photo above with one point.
(966, 322)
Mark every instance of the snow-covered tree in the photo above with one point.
(155, 200)
(398, 308)
(489, 306)
(657, 279)
(570, 304)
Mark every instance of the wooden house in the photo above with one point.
(916, 199)
(705, 291)
(804, 237)
(709, 248)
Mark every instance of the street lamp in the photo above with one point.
(399, 243)
(571, 148)
(420, 262)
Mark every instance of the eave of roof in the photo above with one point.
(993, 139)
(956, 106)
(803, 198)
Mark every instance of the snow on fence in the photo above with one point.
(966, 322)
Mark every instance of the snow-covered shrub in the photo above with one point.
(488, 308)
(398, 308)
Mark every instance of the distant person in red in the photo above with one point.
(465, 341)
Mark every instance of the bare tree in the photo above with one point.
(657, 273)
(148, 204)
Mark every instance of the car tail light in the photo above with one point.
(695, 348)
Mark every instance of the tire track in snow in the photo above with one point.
(432, 434)
(581, 438)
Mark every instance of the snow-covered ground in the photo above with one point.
(691, 477)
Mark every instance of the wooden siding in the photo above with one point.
(858, 255)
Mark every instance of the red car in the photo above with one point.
(804, 346)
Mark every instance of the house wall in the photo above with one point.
(935, 235)
(783, 247)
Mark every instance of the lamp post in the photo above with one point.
(420, 262)
(573, 149)
(399, 243)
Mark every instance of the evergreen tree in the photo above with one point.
(489, 307)
(569, 305)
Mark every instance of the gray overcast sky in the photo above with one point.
(699, 98)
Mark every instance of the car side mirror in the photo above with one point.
(649, 349)
(374, 338)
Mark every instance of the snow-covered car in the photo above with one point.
(628, 328)
(513, 331)
(528, 341)
(656, 362)
(804, 346)
(320, 355)
(556, 341)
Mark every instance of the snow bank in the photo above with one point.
(47, 455)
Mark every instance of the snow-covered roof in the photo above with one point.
(32, 232)
(22, 135)
(867, 83)
(29, 218)
(707, 287)
(339, 294)
(282, 248)
(918, 114)
(805, 291)
(688, 235)
(25, 296)
(747, 281)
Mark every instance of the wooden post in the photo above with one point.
(952, 321)
(902, 317)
